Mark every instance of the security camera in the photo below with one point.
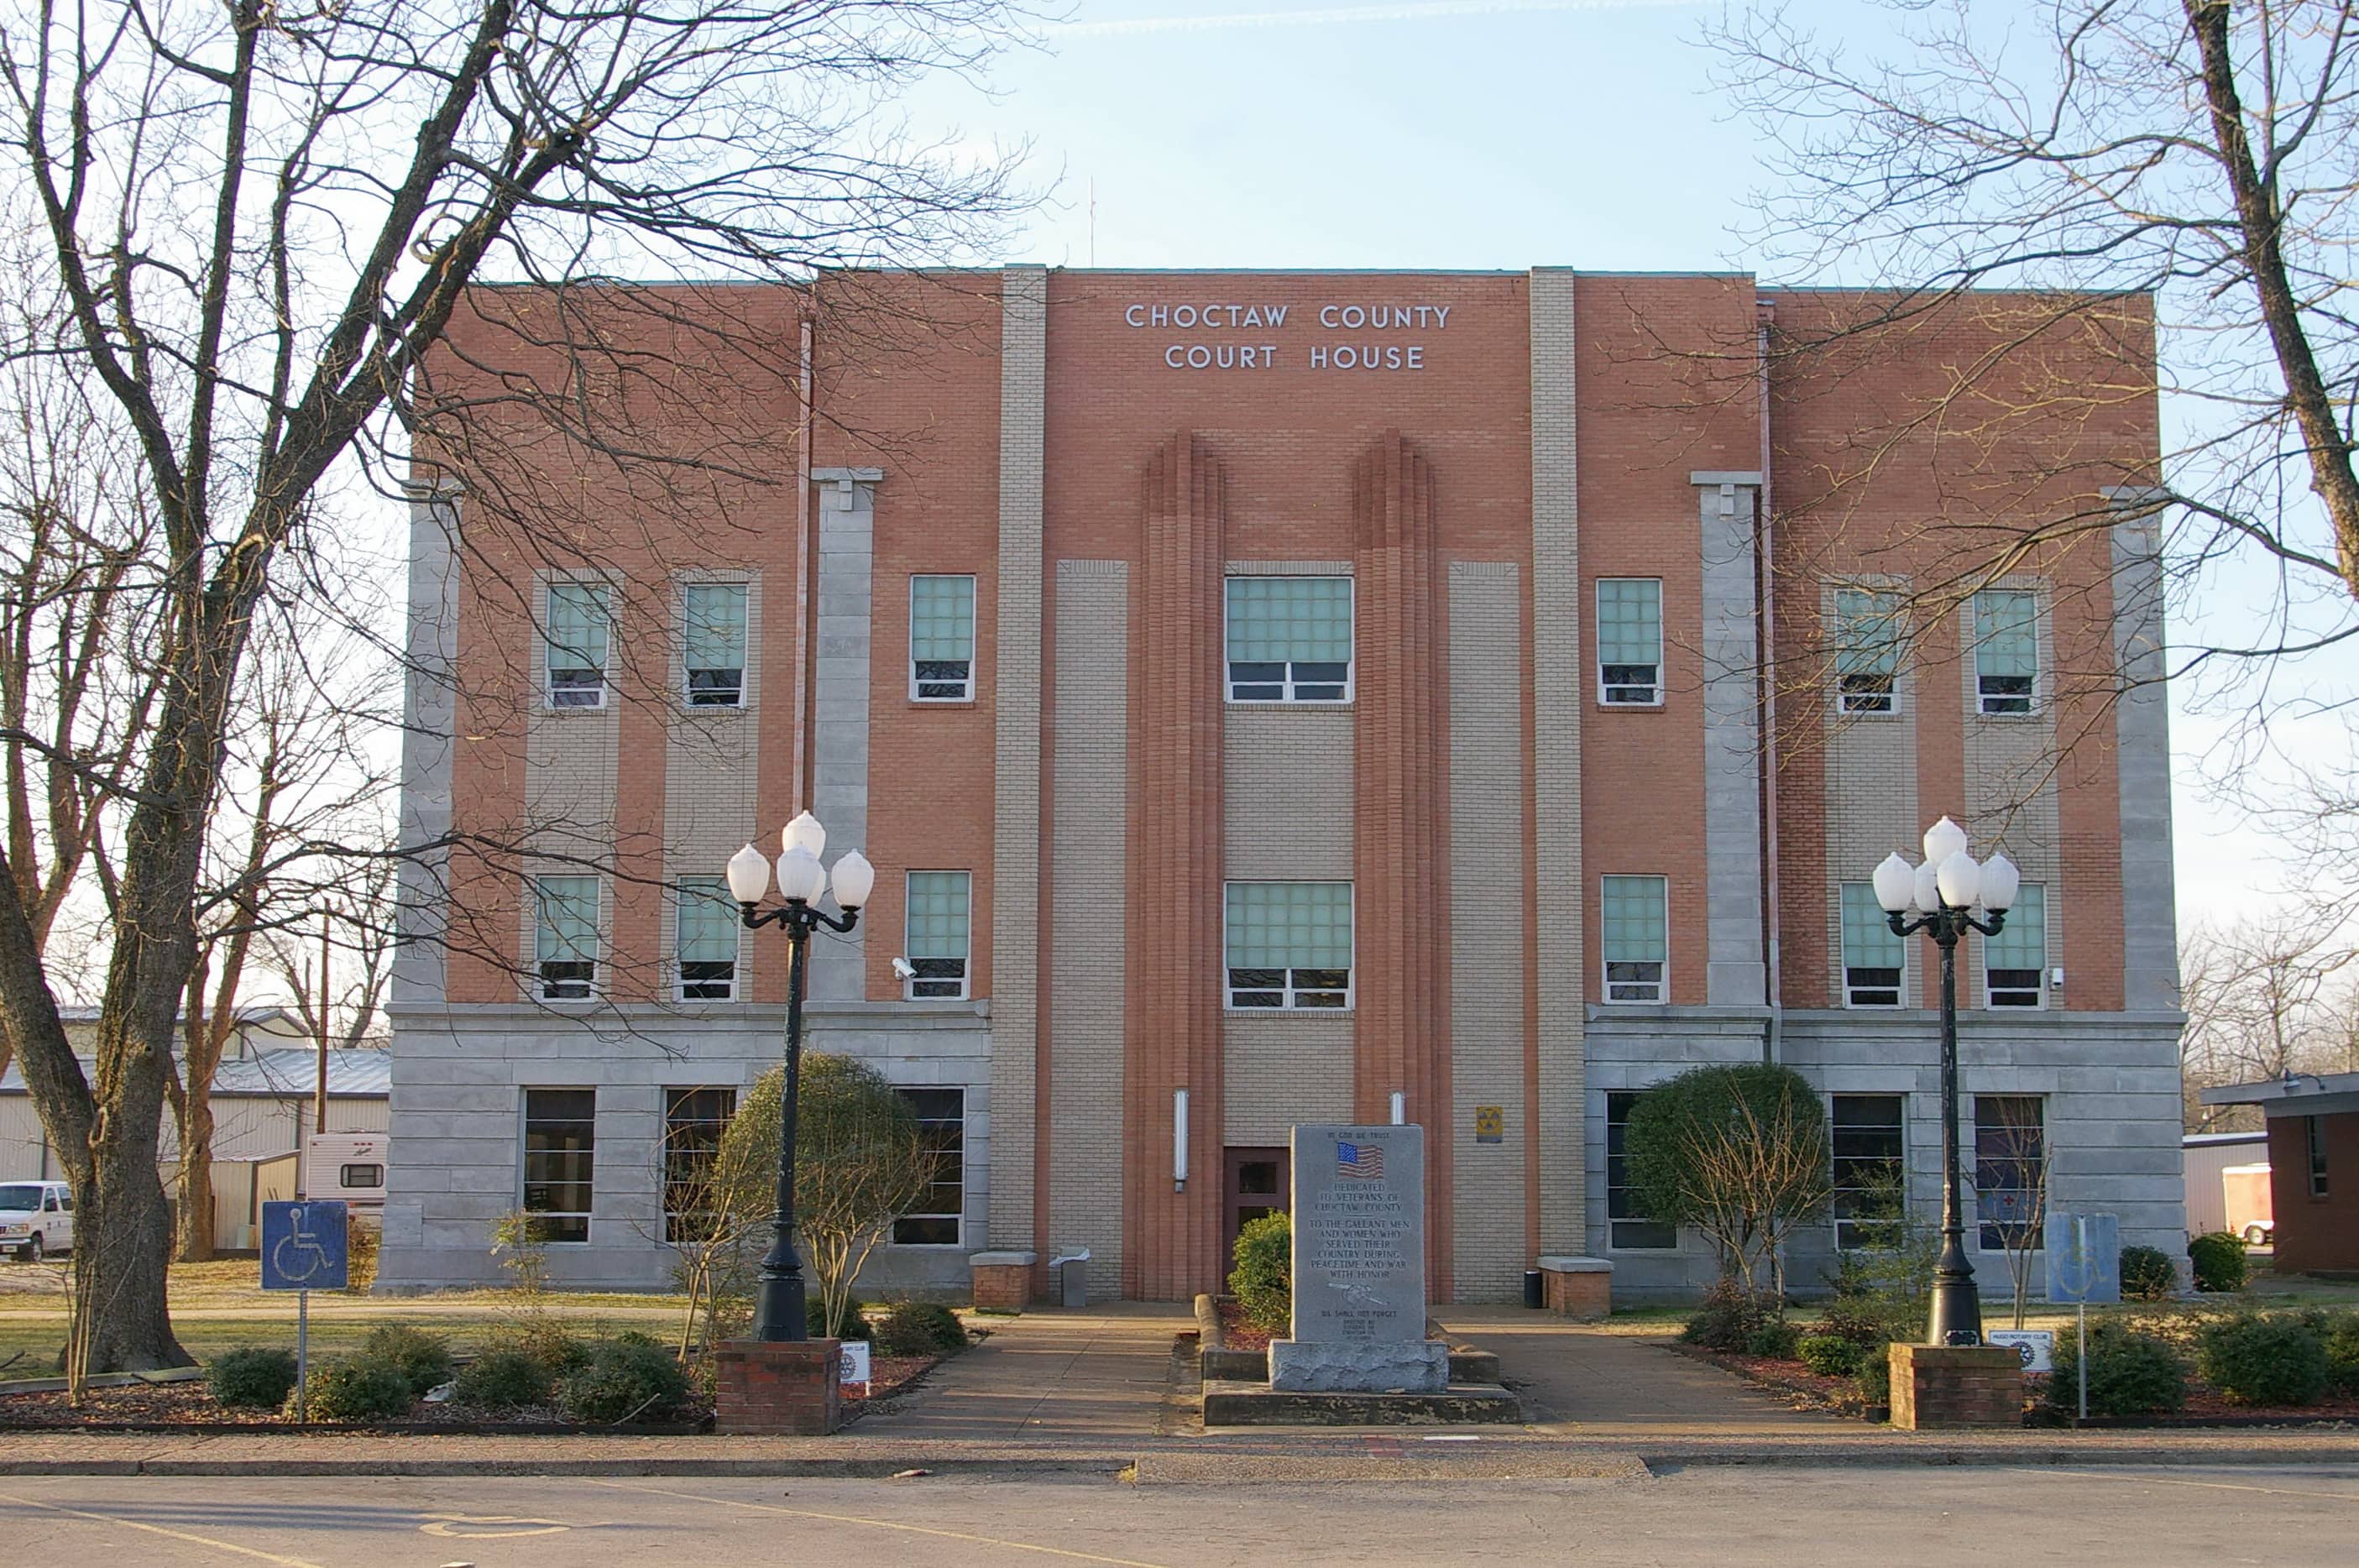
(904, 969)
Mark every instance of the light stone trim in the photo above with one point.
(1486, 930)
(2142, 732)
(1287, 792)
(1015, 808)
(1288, 568)
(1088, 874)
(840, 693)
(712, 772)
(429, 723)
(2011, 794)
(1733, 924)
(1563, 685)
(571, 760)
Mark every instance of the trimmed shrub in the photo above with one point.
(503, 1379)
(625, 1383)
(251, 1379)
(856, 1326)
(1730, 1316)
(2147, 1274)
(1773, 1340)
(1263, 1279)
(2218, 1260)
(560, 1353)
(920, 1328)
(2130, 1373)
(424, 1358)
(1830, 1355)
(2261, 1360)
(1874, 1378)
(360, 1390)
(2338, 1332)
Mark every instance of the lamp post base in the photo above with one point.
(1957, 1313)
(1942, 1386)
(778, 1389)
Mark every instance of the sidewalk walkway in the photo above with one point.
(1084, 1377)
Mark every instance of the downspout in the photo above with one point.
(1765, 622)
(801, 738)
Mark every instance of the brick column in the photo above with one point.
(789, 1390)
(1940, 1387)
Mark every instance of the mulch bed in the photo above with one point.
(192, 1406)
(1237, 1331)
(1804, 1389)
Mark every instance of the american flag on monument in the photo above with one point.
(1365, 1162)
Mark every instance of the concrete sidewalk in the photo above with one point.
(1086, 1377)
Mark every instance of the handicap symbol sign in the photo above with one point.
(303, 1246)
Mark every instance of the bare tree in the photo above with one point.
(1741, 1154)
(257, 224)
(2263, 999)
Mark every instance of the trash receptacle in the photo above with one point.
(1535, 1292)
(1072, 1277)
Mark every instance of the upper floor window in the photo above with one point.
(1636, 936)
(1867, 651)
(1873, 958)
(705, 932)
(2007, 652)
(942, 639)
(937, 933)
(2015, 962)
(573, 647)
(712, 633)
(1289, 639)
(565, 937)
(1289, 944)
(1630, 641)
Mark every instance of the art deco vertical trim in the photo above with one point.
(1172, 1038)
(839, 706)
(1734, 975)
(1015, 976)
(428, 714)
(1560, 687)
(2142, 728)
(1401, 854)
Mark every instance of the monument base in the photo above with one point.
(1412, 1366)
(1258, 1404)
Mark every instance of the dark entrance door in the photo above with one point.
(1258, 1184)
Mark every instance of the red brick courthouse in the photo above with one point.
(1268, 698)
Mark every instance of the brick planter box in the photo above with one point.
(1003, 1280)
(787, 1390)
(1580, 1288)
(1946, 1386)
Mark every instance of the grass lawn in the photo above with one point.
(219, 1306)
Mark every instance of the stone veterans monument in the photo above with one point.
(1359, 1266)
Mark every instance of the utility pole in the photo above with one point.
(319, 1111)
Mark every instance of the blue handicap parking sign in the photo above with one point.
(2084, 1258)
(303, 1246)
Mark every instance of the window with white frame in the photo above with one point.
(942, 639)
(565, 937)
(937, 933)
(1635, 936)
(939, 1218)
(2007, 652)
(1625, 1227)
(694, 1120)
(1289, 639)
(2015, 962)
(712, 639)
(2010, 1170)
(705, 927)
(575, 625)
(1289, 944)
(561, 1140)
(1630, 641)
(1867, 651)
(1867, 1134)
(1873, 958)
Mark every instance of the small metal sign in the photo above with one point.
(2036, 1345)
(303, 1246)
(2084, 1258)
(852, 1363)
(1490, 1124)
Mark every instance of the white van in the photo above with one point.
(347, 1165)
(35, 1219)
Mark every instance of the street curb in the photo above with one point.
(1858, 1457)
(1105, 1464)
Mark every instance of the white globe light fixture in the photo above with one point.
(853, 879)
(1925, 889)
(2001, 882)
(1961, 881)
(801, 879)
(749, 875)
(1942, 840)
(1896, 884)
(804, 832)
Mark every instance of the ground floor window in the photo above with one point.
(560, 1136)
(2010, 1169)
(1866, 1132)
(694, 1120)
(939, 1218)
(1625, 1227)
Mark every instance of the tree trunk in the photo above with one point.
(193, 1209)
(123, 1242)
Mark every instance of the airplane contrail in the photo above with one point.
(1341, 14)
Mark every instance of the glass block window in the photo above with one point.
(939, 1220)
(1289, 639)
(694, 1120)
(565, 937)
(1630, 641)
(1867, 651)
(1626, 1227)
(2007, 652)
(1635, 937)
(561, 1140)
(1867, 1134)
(2010, 1169)
(1289, 944)
(2015, 962)
(573, 645)
(1873, 958)
(937, 936)
(942, 639)
(705, 932)
(712, 633)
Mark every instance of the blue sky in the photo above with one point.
(1217, 133)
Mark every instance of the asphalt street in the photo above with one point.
(1767, 1518)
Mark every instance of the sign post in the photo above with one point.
(2085, 1265)
(303, 1250)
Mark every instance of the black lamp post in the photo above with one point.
(1938, 898)
(779, 1309)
